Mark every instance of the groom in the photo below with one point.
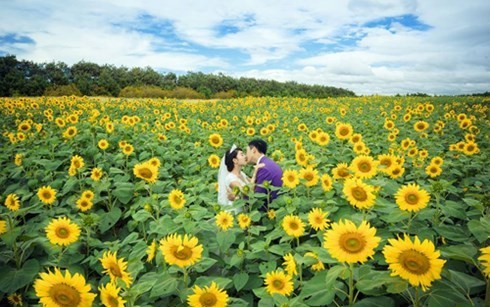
(271, 172)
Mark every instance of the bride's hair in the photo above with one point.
(229, 156)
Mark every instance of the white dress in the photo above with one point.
(234, 178)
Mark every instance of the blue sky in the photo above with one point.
(368, 46)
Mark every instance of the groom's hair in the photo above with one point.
(229, 156)
(261, 145)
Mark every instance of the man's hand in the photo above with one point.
(230, 194)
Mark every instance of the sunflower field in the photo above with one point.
(113, 202)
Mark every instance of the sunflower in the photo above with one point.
(84, 204)
(293, 226)
(326, 182)
(341, 171)
(437, 161)
(88, 194)
(323, 139)
(301, 157)
(343, 131)
(96, 173)
(155, 162)
(3, 227)
(470, 148)
(250, 131)
(360, 148)
(417, 262)
(421, 126)
(60, 122)
(146, 171)
(271, 214)
(364, 166)
(46, 194)
(62, 231)
(319, 266)
(290, 265)
(318, 219)
(103, 144)
(12, 202)
(215, 140)
(115, 268)
(77, 162)
(356, 137)
(176, 199)
(330, 120)
(224, 220)
(151, 250)
(109, 295)
(412, 198)
(70, 132)
(386, 162)
(485, 260)
(359, 194)
(396, 171)
(278, 282)
(181, 251)
(18, 159)
(433, 170)
(128, 149)
(351, 244)
(214, 161)
(211, 296)
(56, 289)
(310, 175)
(15, 299)
(244, 220)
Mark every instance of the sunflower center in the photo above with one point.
(183, 253)
(421, 126)
(113, 301)
(278, 284)
(415, 262)
(291, 178)
(344, 131)
(115, 270)
(359, 193)
(71, 132)
(215, 140)
(76, 164)
(308, 177)
(364, 167)
(46, 195)
(343, 172)
(411, 199)
(208, 299)
(62, 232)
(386, 162)
(145, 173)
(470, 148)
(64, 295)
(318, 219)
(352, 243)
(396, 171)
(293, 225)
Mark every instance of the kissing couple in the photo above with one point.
(231, 176)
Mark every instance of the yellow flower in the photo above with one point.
(151, 250)
(224, 220)
(215, 140)
(293, 226)
(386, 162)
(278, 282)
(84, 204)
(70, 132)
(271, 214)
(351, 244)
(290, 265)
(364, 167)
(437, 161)
(155, 162)
(146, 171)
(433, 170)
(18, 159)
(56, 289)
(176, 199)
(46, 194)
(326, 182)
(103, 144)
(310, 175)
(416, 262)
(318, 219)
(485, 260)
(214, 161)
(115, 268)
(128, 149)
(3, 227)
(323, 139)
(211, 296)
(290, 178)
(62, 231)
(244, 220)
(421, 126)
(302, 157)
(88, 194)
(15, 299)
(12, 202)
(343, 131)
(109, 295)
(341, 171)
(396, 171)
(470, 148)
(181, 251)
(77, 162)
(412, 198)
(319, 266)
(359, 194)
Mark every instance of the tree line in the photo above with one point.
(26, 78)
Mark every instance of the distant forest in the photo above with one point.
(26, 78)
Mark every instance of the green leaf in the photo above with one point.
(205, 281)
(109, 219)
(465, 281)
(375, 302)
(204, 264)
(480, 231)
(225, 239)
(141, 215)
(12, 279)
(123, 192)
(165, 286)
(333, 274)
(443, 295)
(455, 233)
(462, 252)
(240, 280)
(316, 292)
(145, 283)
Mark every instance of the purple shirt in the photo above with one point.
(270, 172)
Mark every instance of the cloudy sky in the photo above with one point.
(367, 46)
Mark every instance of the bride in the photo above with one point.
(231, 176)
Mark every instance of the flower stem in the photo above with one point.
(351, 284)
(487, 294)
